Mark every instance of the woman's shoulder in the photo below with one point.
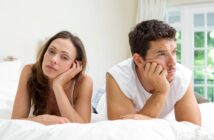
(84, 78)
(27, 69)
(83, 86)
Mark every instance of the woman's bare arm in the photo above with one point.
(81, 111)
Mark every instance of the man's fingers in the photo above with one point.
(164, 73)
(153, 67)
(158, 69)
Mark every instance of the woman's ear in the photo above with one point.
(138, 60)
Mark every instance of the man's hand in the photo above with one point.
(154, 75)
(136, 117)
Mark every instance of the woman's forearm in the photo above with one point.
(47, 119)
(65, 107)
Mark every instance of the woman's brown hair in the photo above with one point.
(37, 84)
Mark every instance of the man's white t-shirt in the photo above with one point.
(125, 76)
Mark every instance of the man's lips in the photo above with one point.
(171, 71)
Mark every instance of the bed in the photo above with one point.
(99, 128)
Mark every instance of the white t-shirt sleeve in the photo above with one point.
(122, 75)
(182, 82)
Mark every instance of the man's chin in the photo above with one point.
(170, 79)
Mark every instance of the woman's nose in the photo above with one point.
(54, 59)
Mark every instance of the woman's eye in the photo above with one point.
(65, 57)
(51, 51)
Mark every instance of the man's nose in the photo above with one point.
(172, 60)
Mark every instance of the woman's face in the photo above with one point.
(58, 58)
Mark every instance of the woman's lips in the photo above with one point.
(51, 67)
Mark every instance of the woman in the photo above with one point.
(55, 87)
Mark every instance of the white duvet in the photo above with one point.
(156, 129)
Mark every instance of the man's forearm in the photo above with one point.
(154, 105)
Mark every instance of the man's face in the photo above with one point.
(163, 52)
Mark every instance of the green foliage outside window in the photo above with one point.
(178, 41)
(204, 69)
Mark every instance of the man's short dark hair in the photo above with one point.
(146, 31)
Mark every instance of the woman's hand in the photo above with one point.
(50, 119)
(68, 75)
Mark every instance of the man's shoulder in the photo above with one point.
(183, 75)
(126, 62)
(124, 66)
(123, 72)
(182, 70)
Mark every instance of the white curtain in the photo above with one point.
(151, 9)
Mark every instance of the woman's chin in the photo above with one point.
(50, 76)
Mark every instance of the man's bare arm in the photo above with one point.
(186, 109)
(154, 105)
(118, 104)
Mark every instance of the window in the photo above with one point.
(195, 27)
(173, 18)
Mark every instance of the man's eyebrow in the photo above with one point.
(161, 51)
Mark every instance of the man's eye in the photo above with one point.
(162, 54)
(174, 51)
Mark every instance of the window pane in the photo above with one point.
(199, 20)
(210, 75)
(178, 52)
(199, 58)
(174, 17)
(210, 64)
(199, 89)
(210, 39)
(198, 76)
(210, 81)
(210, 19)
(211, 94)
(199, 39)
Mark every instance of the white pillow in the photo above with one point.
(9, 71)
(207, 115)
(97, 96)
(101, 106)
(9, 77)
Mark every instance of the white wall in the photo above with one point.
(102, 25)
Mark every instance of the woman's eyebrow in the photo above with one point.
(53, 47)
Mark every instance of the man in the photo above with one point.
(151, 84)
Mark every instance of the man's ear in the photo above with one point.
(138, 60)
